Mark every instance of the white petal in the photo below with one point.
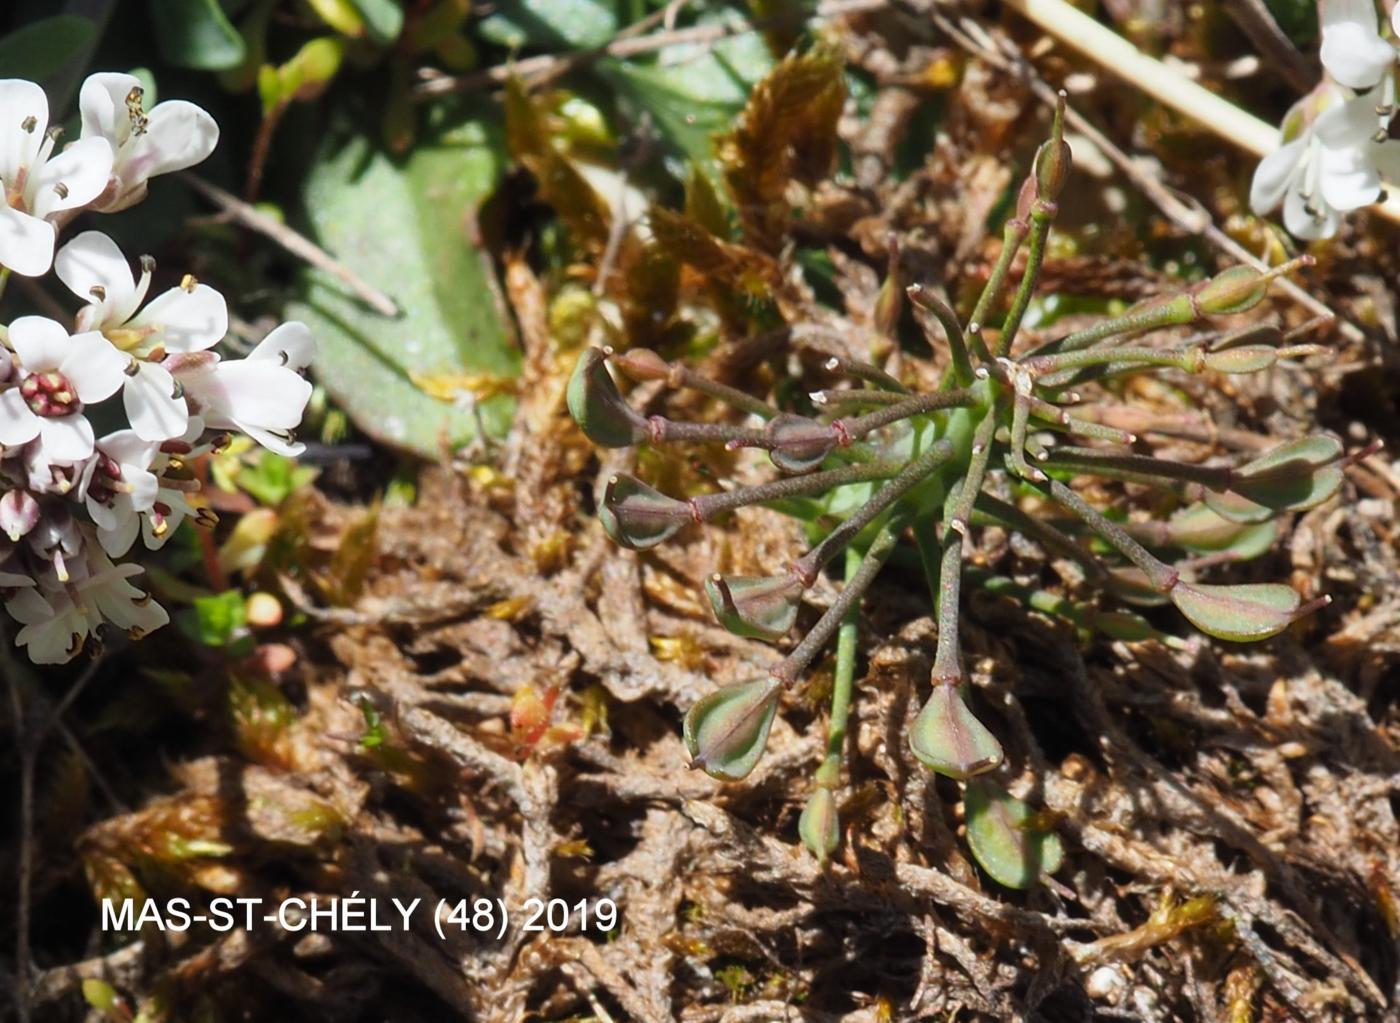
(1353, 51)
(126, 448)
(117, 540)
(40, 343)
(253, 391)
(1303, 224)
(94, 366)
(291, 344)
(103, 516)
(20, 101)
(73, 178)
(188, 321)
(102, 102)
(178, 135)
(66, 439)
(1272, 175)
(156, 414)
(1347, 179)
(92, 260)
(271, 441)
(26, 243)
(18, 423)
(1347, 124)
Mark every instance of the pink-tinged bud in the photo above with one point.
(1243, 613)
(760, 607)
(1002, 834)
(642, 364)
(1025, 200)
(820, 824)
(948, 738)
(799, 444)
(599, 409)
(726, 732)
(19, 513)
(638, 516)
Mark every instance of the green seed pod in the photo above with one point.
(1296, 476)
(1235, 290)
(760, 607)
(1002, 835)
(642, 364)
(1052, 166)
(1243, 613)
(799, 444)
(599, 409)
(948, 738)
(638, 516)
(727, 730)
(820, 824)
(1244, 359)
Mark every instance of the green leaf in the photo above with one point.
(216, 620)
(406, 226)
(39, 50)
(694, 91)
(1002, 835)
(383, 19)
(550, 24)
(196, 34)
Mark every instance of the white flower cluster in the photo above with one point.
(1337, 149)
(58, 579)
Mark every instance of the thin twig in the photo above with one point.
(534, 71)
(1256, 21)
(297, 244)
(24, 869)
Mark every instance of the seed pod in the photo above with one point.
(1296, 476)
(638, 516)
(727, 731)
(1052, 166)
(948, 738)
(1002, 835)
(1235, 290)
(1244, 359)
(799, 444)
(642, 364)
(820, 824)
(1202, 530)
(599, 409)
(760, 607)
(1242, 613)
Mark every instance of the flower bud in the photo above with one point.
(760, 607)
(1242, 613)
(638, 516)
(727, 731)
(19, 513)
(948, 738)
(820, 824)
(1052, 167)
(599, 409)
(642, 364)
(799, 444)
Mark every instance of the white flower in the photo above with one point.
(188, 318)
(263, 395)
(1331, 166)
(1353, 51)
(57, 375)
(118, 487)
(37, 184)
(54, 629)
(173, 136)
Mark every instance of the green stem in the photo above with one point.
(1139, 468)
(829, 774)
(1012, 237)
(929, 304)
(1042, 213)
(1160, 576)
(707, 506)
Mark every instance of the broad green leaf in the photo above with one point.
(550, 24)
(693, 91)
(1003, 836)
(406, 226)
(39, 50)
(196, 34)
